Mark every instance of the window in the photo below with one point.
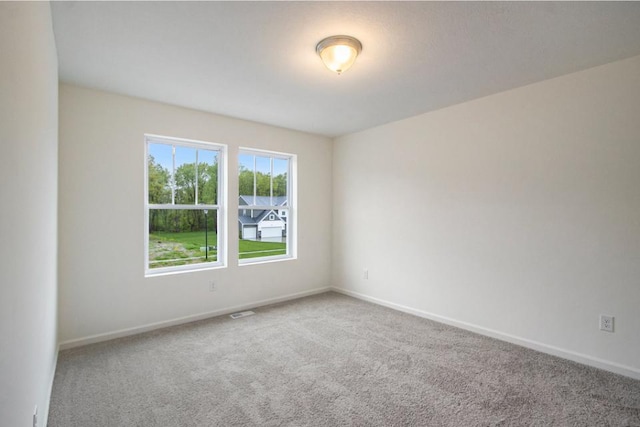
(266, 206)
(183, 204)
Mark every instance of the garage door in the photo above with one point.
(268, 232)
(249, 233)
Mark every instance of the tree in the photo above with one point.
(185, 193)
(159, 188)
(263, 183)
(208, 183)
(245, 181)
(159, 183)
(280, 185)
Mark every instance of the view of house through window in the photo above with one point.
(264, 205)
(183, 204)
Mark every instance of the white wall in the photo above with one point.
(102, 283)
(517, 213)
(28, 191)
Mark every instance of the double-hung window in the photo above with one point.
(183, 202)
(266, 206)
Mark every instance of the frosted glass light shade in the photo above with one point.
(339, 52)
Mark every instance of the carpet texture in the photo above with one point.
(330, 360)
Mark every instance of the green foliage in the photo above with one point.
(263, 183)
(159, 185)
(245, 181)
(280, 185)
(184, 182)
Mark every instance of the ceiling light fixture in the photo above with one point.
(339, 52)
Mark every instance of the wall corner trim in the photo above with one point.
(584, 359)
(45, 412)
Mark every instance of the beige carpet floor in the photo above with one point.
(330, 360)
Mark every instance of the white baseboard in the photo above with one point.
(186, 319)
(538, 346)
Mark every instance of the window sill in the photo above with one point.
(254, 261)
(192, 269)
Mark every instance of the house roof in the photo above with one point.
(247, 220)
(247, 200)
(263, 200)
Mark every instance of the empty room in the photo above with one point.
(319, 213)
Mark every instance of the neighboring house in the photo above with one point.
(256, 224)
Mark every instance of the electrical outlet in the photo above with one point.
(35, 417)
(606, 323)
(212, 286)
(365, 274)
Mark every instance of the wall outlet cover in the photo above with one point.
(606, 323)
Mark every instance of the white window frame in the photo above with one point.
(220, 207)
(291, 207)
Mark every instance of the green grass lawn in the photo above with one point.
(190, 239)
(172, 249)
(188, 246)
(254, 249)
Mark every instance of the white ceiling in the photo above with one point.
(257, 60)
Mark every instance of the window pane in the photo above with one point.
(261, 236)
(159, 168)
(207, 177)
(245, 178)
(181, 237)
(263, 180)
(280, 176)
(185, 175)
(263, 233)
